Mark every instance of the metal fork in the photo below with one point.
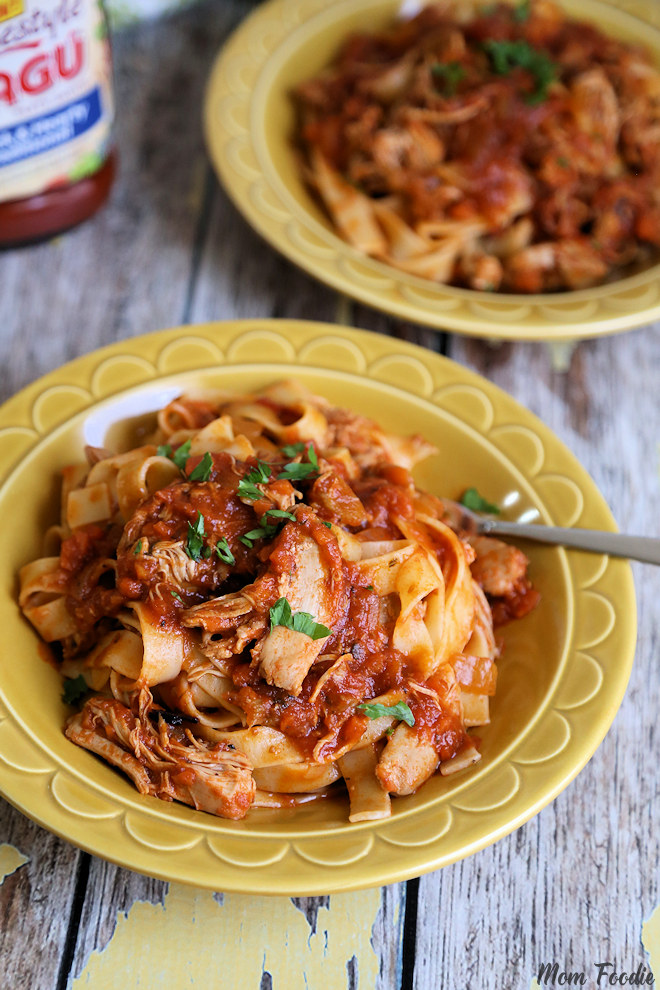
(643, 548)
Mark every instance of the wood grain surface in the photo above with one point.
(573, 885)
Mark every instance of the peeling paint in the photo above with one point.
(11, 859)
(651, 942)
(187, 940)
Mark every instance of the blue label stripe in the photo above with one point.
(33, 137)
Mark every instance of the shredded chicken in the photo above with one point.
(166, 762)
(534, 137)
(272, 621)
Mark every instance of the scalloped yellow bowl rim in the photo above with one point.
(561, 679)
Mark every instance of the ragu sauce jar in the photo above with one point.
(56, 110)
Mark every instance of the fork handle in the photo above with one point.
(644, 548)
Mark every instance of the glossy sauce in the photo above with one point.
(23, 221)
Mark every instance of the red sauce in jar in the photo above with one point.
(56, 113)
(46, 214)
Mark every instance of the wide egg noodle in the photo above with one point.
(196, 695)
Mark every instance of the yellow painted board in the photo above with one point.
(193, 935)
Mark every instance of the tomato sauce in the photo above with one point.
(56, 113)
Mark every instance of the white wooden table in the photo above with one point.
(575, 884)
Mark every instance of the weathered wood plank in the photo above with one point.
(167, 260)
(575, 884)
(240, 276)
(127, 270)
(34, 903)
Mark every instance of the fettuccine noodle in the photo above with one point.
(491, 146)
(259, 603)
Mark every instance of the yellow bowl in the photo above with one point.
(562, 677)
(249, 121)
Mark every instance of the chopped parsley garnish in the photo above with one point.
(471, 499)
(74, 689)
(178, 597)
(563, 162)
(522, 11)
(297, 470)
(260, 533)
(181, 455)
(138, 547)
(203, 470)
(328, 525)
(312, 458)
(195, 539)
(447, 76)
(293, 449)
(507, 55)
(223, 551)
(259, 475)
(248, 490)
(279, 514)
(401, 711)
(281, 615)
(266, 530)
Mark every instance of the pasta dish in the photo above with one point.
(496, 147)
(258, 602)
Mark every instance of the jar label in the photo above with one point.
(56, 102)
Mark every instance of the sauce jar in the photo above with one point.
(56, 112)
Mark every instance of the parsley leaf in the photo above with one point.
(522, 11)
(297, 470)
(305, 623)
(281, 615)
(164, 450)
(328, 525)
(223, 551)
(447, 76)
(178, 597)
(279, 514)
(259, 475)
(195, 539)
(203, 470)
(181, 455)
(259, 533)
(293, 449)
(248, 490)
(266, 530)
(401, 711)
(506, 55)
(74, 689)
(471, 499)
